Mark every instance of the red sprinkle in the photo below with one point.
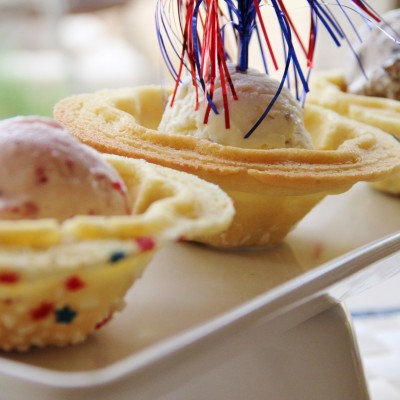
(145, 243)
(41, 176)
(9, 277)
(42, 311)
(74, 283)
(103, 322)
(117, 186)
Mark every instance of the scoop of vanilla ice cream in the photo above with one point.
(282, 127)
(47, 173)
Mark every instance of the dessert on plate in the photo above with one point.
(65, 265)
(272, 189)
(233, 126)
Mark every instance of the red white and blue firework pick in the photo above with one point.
(194, 31)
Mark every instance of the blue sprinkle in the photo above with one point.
(65, 315)
(117, 256)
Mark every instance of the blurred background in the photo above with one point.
(52, 48)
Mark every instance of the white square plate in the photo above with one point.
(194, 303)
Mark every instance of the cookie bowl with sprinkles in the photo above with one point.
(64, 270)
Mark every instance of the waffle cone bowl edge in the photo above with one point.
(272, 190)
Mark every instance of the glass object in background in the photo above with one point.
(328, 55)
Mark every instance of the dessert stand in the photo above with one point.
(212, 324)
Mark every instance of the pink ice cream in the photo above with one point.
(47, 173)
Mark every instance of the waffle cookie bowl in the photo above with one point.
(329, 90)
(61, 281)
(272, 189)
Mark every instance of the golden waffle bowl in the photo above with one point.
(272, 189)
(60, 282)
(328, 90)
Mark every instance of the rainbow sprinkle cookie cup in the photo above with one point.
(61, 281)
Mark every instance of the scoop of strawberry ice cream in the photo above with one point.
(47, 173)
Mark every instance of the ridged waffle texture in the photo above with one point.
(271, 189)
(328, 90)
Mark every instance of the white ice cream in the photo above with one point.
(47, 173)
(283, 126)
